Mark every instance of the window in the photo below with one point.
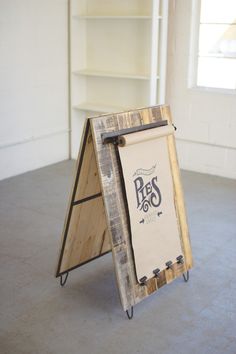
(215, 44)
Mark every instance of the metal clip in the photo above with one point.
(156, 272)
(143, 281)
(180, 259)
(169, 265)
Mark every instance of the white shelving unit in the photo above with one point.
(117, 57)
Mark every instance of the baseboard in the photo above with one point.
(32, 154)
(203, 158)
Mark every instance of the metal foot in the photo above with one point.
(186, 276)
(130, 315)
(62, 282)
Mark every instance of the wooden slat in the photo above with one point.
(179, 197)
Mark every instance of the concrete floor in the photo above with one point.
(85, 317)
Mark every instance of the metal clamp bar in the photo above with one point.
(112, 137)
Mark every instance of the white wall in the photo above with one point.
(33, 84)
(206, 121)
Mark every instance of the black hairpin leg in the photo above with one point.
(62, 282)
(186, 276)
(130, 315)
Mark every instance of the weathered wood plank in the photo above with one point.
(114, 205)
(179, 197)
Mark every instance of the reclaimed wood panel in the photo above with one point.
(85, 234)
(179, 196)
(131, 292)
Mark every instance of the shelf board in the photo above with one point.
(217, 55)
(110, 17)
(96, 73)
(96, 107)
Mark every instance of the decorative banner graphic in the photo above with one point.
(149, 189)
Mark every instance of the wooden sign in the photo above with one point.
(127, 197)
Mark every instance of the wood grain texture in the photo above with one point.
(92, 229)
(131, 292)
(85, 235)
(179, 197)
(88, 183)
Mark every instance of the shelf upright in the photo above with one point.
(117, 57)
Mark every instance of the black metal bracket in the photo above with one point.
(180, 259)
(156, 272)
(63, 282)
(186, 276)
(130, 315)
(175, 128)
(143, 281)
(169, 265)
(112, 137)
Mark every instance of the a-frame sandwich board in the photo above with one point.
(97, 220)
